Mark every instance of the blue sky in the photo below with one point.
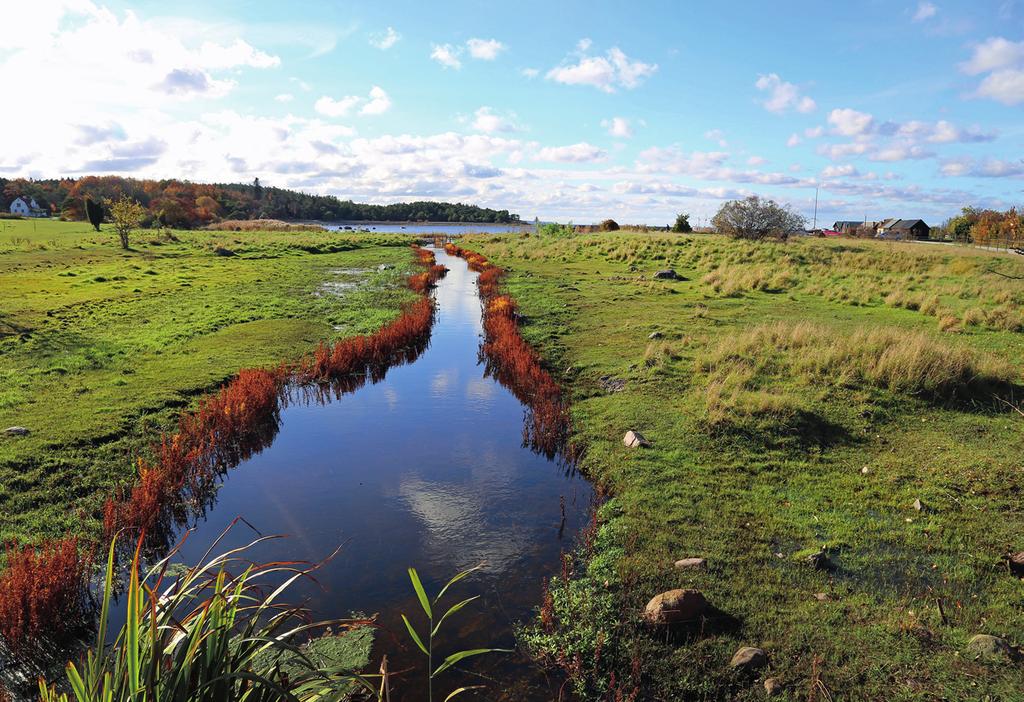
(562, 110)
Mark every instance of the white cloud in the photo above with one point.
(847, 122)
(925, 10)
(378, 103)
(574, 153)
(485, 49)
(618, 127)
(284, 97)
(488, 121)
(613, 70)
(239, 53)
(843, 171)
(530, 72)
(783, 96)
(385, 40)
(717, 136)
(992, 54)
(793, 140)
(447, 55)
(983, 168)
(336, 108)
(756, 161)
(1003, 61)
(814, 132)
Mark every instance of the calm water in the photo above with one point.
(431, 227)
(425, 468)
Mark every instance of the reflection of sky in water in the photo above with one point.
(425, 469)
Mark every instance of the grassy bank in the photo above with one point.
(102, 348)
(799, 397)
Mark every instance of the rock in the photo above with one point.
(675, 606)
(1014, 560)
(772, 687)
(820, 561)
(655, 335)
(987, 646)
(16, 431)
(611, 384)
(221, 251)
(822, 597)
(749, 659)
(667, 274)
(385, 267)
(634, 439)
(686, 563)
(865, 470)
(918, 505)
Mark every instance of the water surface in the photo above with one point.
(425, 468)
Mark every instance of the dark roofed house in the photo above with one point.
(845, 227)
(904, 229)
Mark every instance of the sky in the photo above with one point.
(559, 110)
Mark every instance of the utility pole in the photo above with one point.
(815, 225)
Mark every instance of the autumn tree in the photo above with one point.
(127, 214)
(754, 218)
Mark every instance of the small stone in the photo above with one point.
(675, 607)
(772, 687)
(820, 561)
(1014, 560)
(16, 431)
(684, 563)
(987, 646)
(918, 505)
(865, 470)
(633, 439)
(667, 274)
(221, 251)
(655, 335)
(385, 267)
(749, 659)
(822, 597)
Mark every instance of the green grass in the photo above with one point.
(101, 348)
(782, 373)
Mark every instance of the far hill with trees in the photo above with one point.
(186, 205)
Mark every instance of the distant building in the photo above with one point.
(845, 227)
(27, 207)
(903, 229)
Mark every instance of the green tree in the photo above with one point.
(754, 218)
(127, 214)
(682, 225)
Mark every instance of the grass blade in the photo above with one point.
(414, 635)
(420, 592)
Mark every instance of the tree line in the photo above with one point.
(185, 205)
(986, 227)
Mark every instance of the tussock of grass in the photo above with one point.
(897, 360)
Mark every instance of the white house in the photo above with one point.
(27, 207)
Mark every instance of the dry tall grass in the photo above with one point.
(263, 225)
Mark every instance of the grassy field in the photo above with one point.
(799, 397)
(101, 348)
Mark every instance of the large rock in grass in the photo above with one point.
(690, 563)
(667, 274)
(16, 431)
(676, 607)
(988, 646)
(749, 660)
(1014, 560)
(635, 439)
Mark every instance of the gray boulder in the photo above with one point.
(749, 660)
(688, 563)
(988, 646)
(634, 439)
(1016, 563)
(667, 274)
(16, 431)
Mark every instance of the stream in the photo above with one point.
(424, 468)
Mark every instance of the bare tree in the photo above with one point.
(127, 215)
(754, 218)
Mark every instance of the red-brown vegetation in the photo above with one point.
(41, 591)
(422, 282)
(514, 362)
